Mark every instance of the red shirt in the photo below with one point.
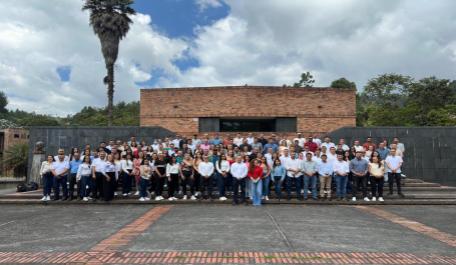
(312, 146)
(366, 146)
(256, 173)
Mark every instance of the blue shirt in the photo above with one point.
(74, 165)
(278, 171)
(268, 145)
(383, 152)
(215, 141)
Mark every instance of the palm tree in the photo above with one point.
(110, 21)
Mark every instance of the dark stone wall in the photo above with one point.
(68, 137)
(430, 152)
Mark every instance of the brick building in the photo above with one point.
(248, 108)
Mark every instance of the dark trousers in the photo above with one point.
(377, 186)
(392, 177)
(173, 184)
(238, 183)
(126, 183)
(143, 183)
(97, 185)
(159, 183)
(187, 181)
(222, 183)
(359, 182)
(60, 181)
(72, 181)
(48, 181)
(297, 183)
(197, 181)
(85, 186)
(207, 186)
(108, 184)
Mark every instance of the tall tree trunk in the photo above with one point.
(110, 92)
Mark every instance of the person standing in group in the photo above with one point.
(294, 175)
(118, 163)
(145, 171)
(266, 178)
(358, 167)
(278, 174)
(394, 163)
(377, 173)
(136, 173)
(206, 169)
(325, 172)
(60, 169)
(186, 173)
(98, 166)
(256, 174)
(239, 171)
(172, 173)
(309, 168)
(160, 176)
(126, 166)
(84, 174)
(110, 176)
(47, 177)
(223, 171)
(196, 175)
(341, 170)
(75, 161)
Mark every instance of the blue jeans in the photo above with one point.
(298, 185)
(61, 181)
(47, 183)
(313, 186)
(266, 182)
(85, 186)
(255, 191)
(341, 186)
(248, 187)
(143, 183)
(278, 186)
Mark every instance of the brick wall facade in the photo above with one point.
(318, 110)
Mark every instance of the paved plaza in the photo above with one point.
(223, 234)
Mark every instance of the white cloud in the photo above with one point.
(37, 37)
(205, 4)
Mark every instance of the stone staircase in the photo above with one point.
(417, 192)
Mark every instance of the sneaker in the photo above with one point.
(353, 199)
(374, 199)
(137, 193)
(85, 199)
(262, 197)
(90, 198)
(115, 193)
(147, 198)
(141, 199)
(125, 194)
(158, 198)
(266, 198)
(185, 197)
(223, 198)
(381, 199)
(366, 199)
(48, 198)
(44, 198)
(193, 197)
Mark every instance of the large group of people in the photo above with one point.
(246, 168)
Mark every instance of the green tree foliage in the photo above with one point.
(124, 114)
(343, 83)
(307, 80)
(16, 156)
(3, 102)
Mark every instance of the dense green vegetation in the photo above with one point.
(386, 100)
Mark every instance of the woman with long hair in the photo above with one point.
(110, 175)
(197, 177)
(48, 178)
(145, 173)
(159, 176)
(278, 173)
(223, 173)
(136, 172)
(255, 175)
(172, 173)
(376, 170)
(85, 174)
(186, 172)
(266, 178)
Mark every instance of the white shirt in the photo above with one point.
(393, 162)
(345, 147)
(99, 165)
(341, 167)
(283, 159)
(301, 141)
(206, 169)
(239, 170)
(359, 148)
(268, 157)
(45, 167)
(316, 159)
(172, 169)
(84, 170)
(293, 164)
(328, 145)
(224, 166)
(60, 166)
(331, 158)
(238, 141)
(317, 141)
(126, 165)
(250, 140)
(325, 168)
